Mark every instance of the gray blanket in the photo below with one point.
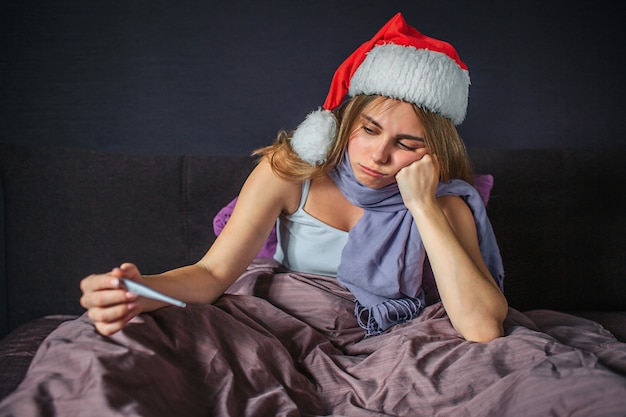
(286, 344)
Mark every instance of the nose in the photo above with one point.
(380, 153)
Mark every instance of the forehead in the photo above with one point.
(383, 107)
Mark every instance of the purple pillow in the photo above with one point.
(482, 182)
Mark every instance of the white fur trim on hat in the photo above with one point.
(314, 136)
(429, 79)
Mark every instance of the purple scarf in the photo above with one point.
(383, 260)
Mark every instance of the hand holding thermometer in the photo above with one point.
(144, 291)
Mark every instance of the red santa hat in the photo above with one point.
(398, 62)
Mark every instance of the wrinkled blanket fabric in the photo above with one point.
(286, 344)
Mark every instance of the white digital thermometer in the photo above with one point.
(147, 292)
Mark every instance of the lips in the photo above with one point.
(372, 172)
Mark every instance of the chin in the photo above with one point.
(373, 183)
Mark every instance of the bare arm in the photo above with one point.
(470, 295)
(260, 202)
(262, 198)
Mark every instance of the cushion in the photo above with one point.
(483, 183)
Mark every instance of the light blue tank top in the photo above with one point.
(306, 244)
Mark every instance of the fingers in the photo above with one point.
(418, 181)
(129, 270)
(108, 304)
(93, 284)
(99, 282)
(112, 319)
(103, 291)
(108, 328)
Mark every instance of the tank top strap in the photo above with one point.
(306, 187)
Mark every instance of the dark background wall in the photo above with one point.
(222, 77)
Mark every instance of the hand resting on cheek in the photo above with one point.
(418, 180)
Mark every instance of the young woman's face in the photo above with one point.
(386, 138)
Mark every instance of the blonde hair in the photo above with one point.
(440, 135)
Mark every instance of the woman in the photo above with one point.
(375, 213)
(399, 141)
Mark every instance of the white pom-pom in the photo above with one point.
(314, 136)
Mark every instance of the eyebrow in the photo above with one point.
(400, 136)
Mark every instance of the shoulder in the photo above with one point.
(264, 184)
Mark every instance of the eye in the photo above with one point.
(405, 147)
(367, 129)
(413, 146)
